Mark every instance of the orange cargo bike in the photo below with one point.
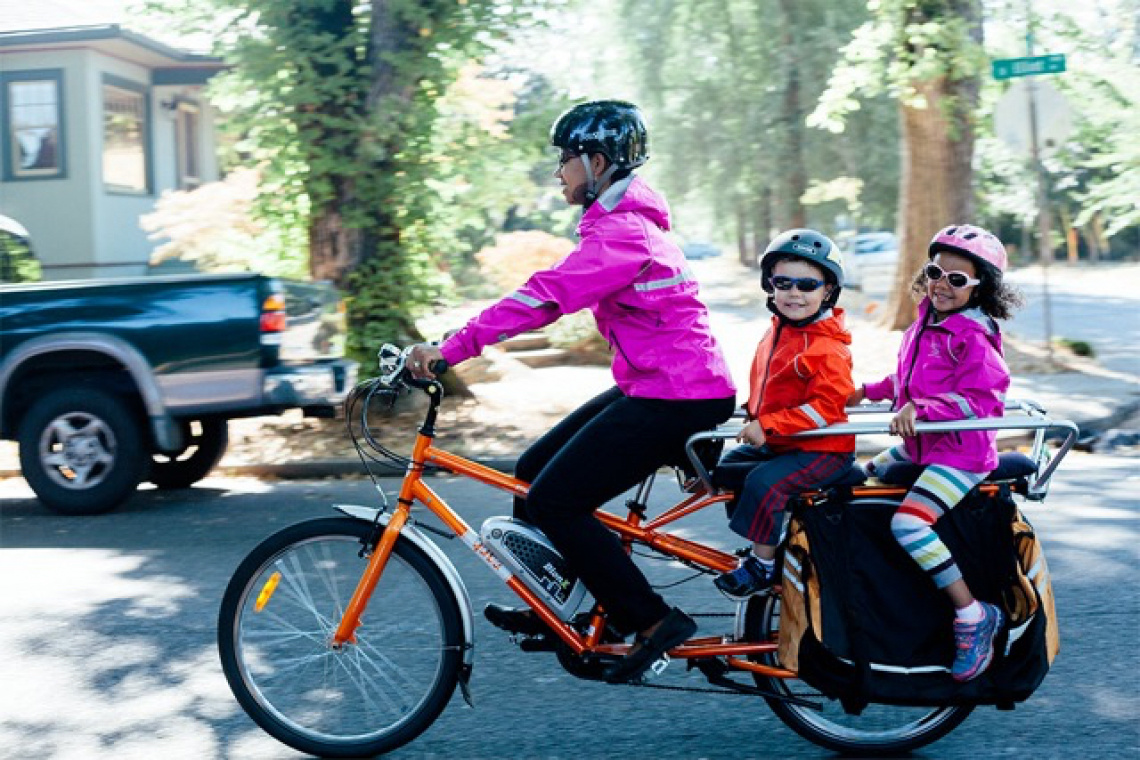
(346, 636)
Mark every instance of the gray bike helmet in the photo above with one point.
(808, 245)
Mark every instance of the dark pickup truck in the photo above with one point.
(109, 383)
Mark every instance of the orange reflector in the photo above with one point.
(267, 592)
(273, 302)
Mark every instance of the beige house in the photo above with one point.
(96, 122)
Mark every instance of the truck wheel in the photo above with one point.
(206, 442)
(81, 451)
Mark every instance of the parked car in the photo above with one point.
(696, 251)
(870, 258)
(108, 383)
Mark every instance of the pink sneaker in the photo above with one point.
(974, 644)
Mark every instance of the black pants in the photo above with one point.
(601, 450)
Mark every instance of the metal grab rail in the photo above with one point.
(1035, 418)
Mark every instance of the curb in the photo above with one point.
(335, 468)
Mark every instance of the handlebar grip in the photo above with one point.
(438, 367)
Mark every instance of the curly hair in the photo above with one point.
(993, 295)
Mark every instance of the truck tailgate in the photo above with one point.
(316, 326)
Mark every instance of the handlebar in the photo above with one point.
(393, 364)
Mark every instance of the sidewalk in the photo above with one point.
(525, 402)
(535, 399)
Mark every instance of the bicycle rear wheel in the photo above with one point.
(370, 696)
(879, 730)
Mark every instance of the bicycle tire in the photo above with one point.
(372, 695)
(880, 730)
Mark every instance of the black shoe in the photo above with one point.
(675, 629)
(513, 620)
(747, 579)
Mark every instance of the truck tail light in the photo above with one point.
(273, 316)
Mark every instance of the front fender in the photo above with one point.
(429, 547)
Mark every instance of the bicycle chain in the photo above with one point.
(697, 689)
(706, 690)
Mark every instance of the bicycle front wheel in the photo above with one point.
(877, 731)
(367, 697)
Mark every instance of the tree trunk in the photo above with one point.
(763, 223)
(936, 187)
(793, 120)
(742, 236)
(335, 249)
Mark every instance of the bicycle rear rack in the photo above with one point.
(1031, 416)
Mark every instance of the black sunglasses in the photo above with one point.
(802, 284)
(957, 280)
(566, 157)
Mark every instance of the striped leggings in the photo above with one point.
(935, 492)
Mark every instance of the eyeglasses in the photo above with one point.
(565, 158)
(957, 280)
(802, 284)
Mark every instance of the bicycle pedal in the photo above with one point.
(655, 669)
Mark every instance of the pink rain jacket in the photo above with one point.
(952, 370)
(644, 300)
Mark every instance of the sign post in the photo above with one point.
(1031, 66)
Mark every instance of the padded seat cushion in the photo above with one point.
(1011, 465)
(731, 476)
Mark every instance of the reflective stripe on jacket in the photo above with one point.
(643, 296)
(800, 380)
(952, 370)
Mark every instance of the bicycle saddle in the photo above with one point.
(1011, 466)
(730, 476)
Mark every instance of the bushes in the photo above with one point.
(515, 256)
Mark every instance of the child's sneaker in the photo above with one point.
(747, 579)
(974, 644)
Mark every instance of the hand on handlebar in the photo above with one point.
(903, 422)
(424, 360)
(752, 434)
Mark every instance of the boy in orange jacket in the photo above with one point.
(800, 380)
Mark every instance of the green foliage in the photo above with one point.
(904, 43)
(728, 84)
(216, 228)
(17, 263)
(1078, 347)
(1094, 178)
(349, 111)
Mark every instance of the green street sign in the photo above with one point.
(1007, 68)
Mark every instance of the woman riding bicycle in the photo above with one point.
(672, 379)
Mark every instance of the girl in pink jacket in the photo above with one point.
(671, 377)
(950, 368)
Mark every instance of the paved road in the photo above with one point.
(1098, 305)
(108, 630)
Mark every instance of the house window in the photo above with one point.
(32, 124)
(189, 168)
(124, 139)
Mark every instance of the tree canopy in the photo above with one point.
(393, 140)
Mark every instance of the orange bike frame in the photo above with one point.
(631, 529)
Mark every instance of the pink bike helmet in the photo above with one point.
(972, 241)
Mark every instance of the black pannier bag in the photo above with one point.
(862, 623)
